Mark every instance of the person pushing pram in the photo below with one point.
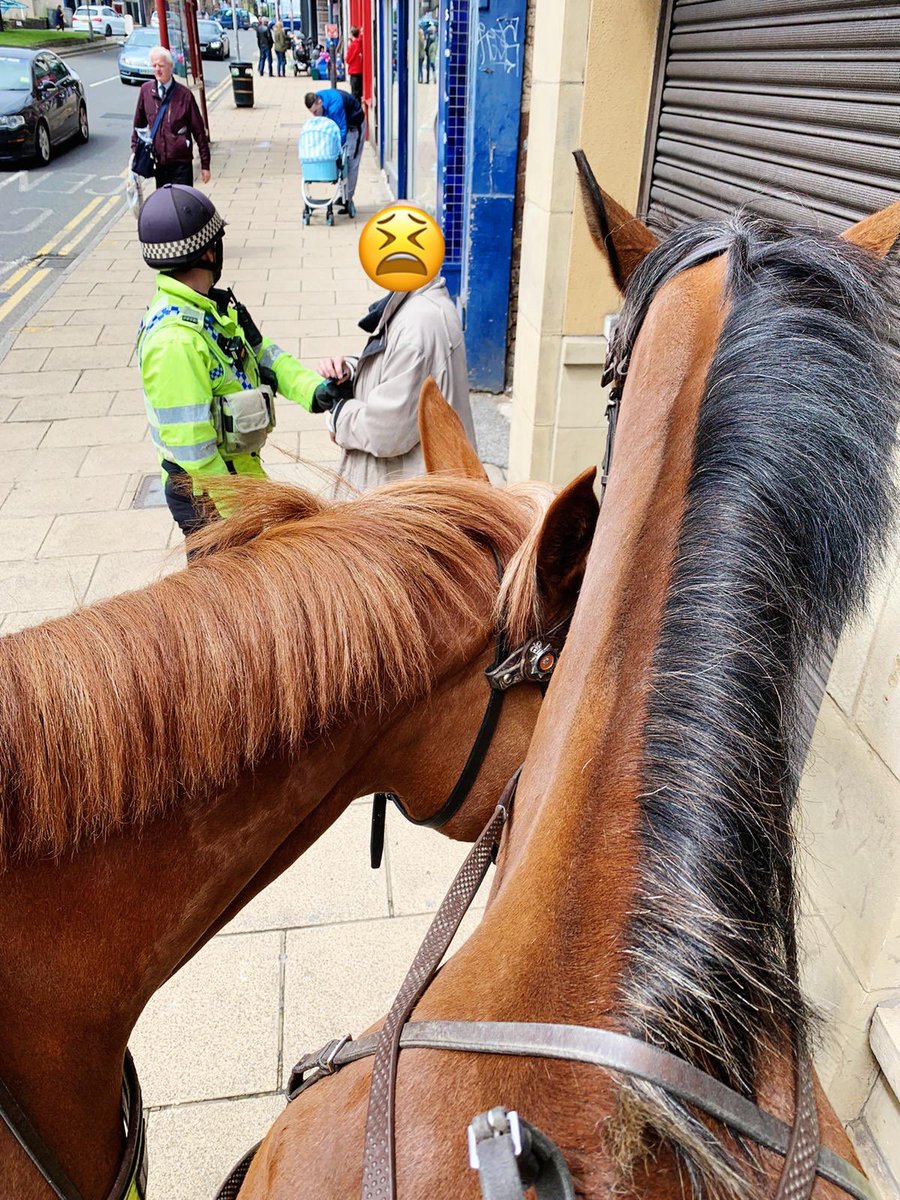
(349, 116)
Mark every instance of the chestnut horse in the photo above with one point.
(645, 880)
(166, 753)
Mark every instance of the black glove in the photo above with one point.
(249, 327)
(329, 393)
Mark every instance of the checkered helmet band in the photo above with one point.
(176, 225)
(187, 248)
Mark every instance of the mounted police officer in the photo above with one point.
(209, 375)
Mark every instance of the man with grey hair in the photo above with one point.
(167, 116)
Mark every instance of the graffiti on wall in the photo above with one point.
(498, 45)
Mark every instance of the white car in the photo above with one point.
(101, 19)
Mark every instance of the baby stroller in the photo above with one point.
(323, 161)
(300, 52)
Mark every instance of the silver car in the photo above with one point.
(134, 57)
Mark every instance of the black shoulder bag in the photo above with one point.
(143, 161)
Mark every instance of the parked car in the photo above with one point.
(225, 19)
(213, 40)
(41, 104)
(134, 57)
(100, 18)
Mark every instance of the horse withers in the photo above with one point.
(645, 881)
(166, 753)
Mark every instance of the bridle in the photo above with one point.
(510, 1154)
(131, 1178)
(534, 661)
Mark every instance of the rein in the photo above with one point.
(501, 1133)
(131, 1178)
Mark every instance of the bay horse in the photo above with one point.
(166, 753)
(645, 882)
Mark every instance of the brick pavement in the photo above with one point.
(215, 1045)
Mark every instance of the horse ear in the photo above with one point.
(444, 442)
(624, 239)
(879, 233)
(563, 544)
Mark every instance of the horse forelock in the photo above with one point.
(298, 614)
(790, 497)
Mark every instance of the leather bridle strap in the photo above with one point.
(472, 766)
(799, 1175)
(601, 1048)
(131, 1179)
(378, 1156)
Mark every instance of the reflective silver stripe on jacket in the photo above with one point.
(180, 414)
(268, 356)
(183, 454)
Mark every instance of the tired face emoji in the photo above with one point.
(401, 248)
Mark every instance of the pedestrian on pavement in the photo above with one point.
(181, 124)
(264, 41)
(60, 18)
(280, 45)
(349, 116)
(354, 63)
(209, 375)
(413, 335)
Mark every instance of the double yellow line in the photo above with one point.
(26, 278)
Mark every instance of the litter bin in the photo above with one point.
(242, 84)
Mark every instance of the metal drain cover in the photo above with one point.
(150, 493)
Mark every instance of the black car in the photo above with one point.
(41, 104)
(213, 40)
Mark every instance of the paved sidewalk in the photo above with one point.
(322, 951)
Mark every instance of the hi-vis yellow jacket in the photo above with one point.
(188, 354)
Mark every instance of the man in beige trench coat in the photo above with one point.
(413, 335)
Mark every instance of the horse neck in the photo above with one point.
(89, 939)
(577, 809)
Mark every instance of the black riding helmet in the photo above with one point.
(177, 224)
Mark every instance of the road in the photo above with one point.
(49, 215)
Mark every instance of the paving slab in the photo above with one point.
(96, 431)
(105, 532)
(213, 1029)
(325, 885)
(194, 1146)
(61, 407)
(23, 435)
(116, 458)
(89, 357)
(44, 335)
(17, 621)
(128, 570)
(45, 463)
(49, 497)
(21, 537)
(106, 379)
(23, 360)
(61, 584)
(423, 863)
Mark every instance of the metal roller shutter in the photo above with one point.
(786, 105)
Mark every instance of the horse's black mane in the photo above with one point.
(790, 498)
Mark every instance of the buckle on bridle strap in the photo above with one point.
(313, 1067)
(532, 662)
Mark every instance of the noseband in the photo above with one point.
(534, 661)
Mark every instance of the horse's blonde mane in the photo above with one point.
(296, 613)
